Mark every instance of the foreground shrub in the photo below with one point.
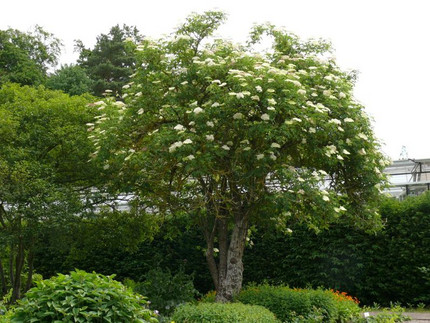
(166, 290)
(301, 304)
(393, 314)
(347, 306)
(5, 315)
(209, 297)
(82, 297)
(222, 313)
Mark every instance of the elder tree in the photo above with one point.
(232, 137)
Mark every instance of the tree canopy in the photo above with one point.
(234, 137)
(43, 171)
(70, 79)
(26, 57)
(110, 63)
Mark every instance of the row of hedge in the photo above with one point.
(389, 266)
(288, 305)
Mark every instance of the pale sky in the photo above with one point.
(387, 41)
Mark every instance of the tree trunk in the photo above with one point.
(30, 270)
(213, 269)
(231, 276)
(19, 263)
(2, 281)
(11, 257)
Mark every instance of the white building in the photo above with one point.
(408, 177)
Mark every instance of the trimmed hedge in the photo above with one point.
(222, 313)
(391, 265)
(302, 304)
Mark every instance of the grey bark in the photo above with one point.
(231, 283)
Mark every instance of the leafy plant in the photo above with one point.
(222, 313)
(166, 290)
(209, 297)
(82, 297)
(388, 315)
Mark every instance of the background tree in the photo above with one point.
(232, 138)
(43, 172)
(112, 60)
(26, 57)
(70, 79)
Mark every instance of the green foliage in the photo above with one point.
(45, 135)
(112, 230)
(200, 26)
(404, 248)
(112, 60)
(305, 305)
(209, 297)
(106, 246)
(383, 268)
(6, 316)
(82, 297)
(3, 309)
(43, 166)
(222, 114)
(221, 313)
(26, 57)
(331, 258)
(166, 290)
(71, 79)
(388, 315)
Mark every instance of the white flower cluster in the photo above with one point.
(330, 150)
(179, 144)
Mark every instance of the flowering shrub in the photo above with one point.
(304, 305)
(347, 306)
(344, 297)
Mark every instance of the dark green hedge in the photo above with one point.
(380, 267)
(384, 267)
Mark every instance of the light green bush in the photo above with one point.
(223, 313)
(82, 297)
(304, 305)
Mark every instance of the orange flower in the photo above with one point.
(343, 296)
